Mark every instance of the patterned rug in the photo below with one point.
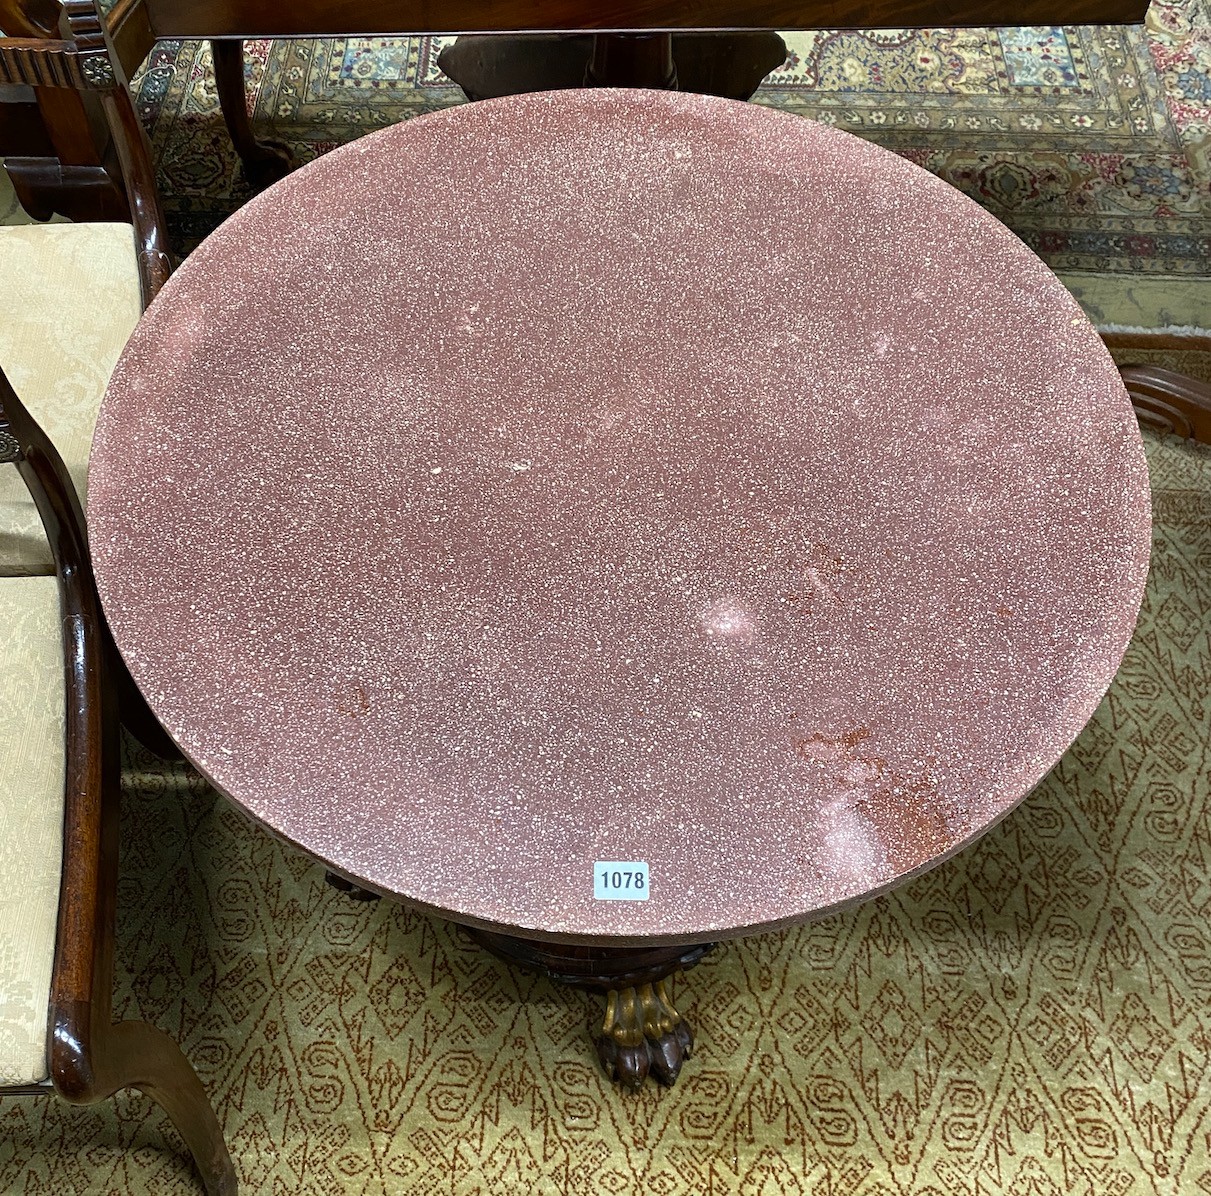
(1033, 1018)
(1093, 144)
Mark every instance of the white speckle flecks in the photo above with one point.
(729, 620)
(780, 518)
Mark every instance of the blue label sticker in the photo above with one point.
(618, 880)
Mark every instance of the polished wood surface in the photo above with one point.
(318, 18)
(29, 18)
(1170, 402)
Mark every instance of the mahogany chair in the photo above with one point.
(59, 797)
(69, 127)
(71, 294)
(68, 160)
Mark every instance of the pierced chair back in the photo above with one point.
(51, 91)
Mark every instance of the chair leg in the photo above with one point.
(264, 161)
(140, 1056)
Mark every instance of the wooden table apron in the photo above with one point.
(621, 478)
(319, 18)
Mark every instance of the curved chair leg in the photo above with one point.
(138, 1055)
(264, 161)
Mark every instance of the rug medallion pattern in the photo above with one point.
(1030, 1019)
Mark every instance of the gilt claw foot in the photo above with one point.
(643, 1035)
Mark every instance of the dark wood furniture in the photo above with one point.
(632, 45)
(1170, 402)
(76, 82)
(69, 135)
(319, 18)
(688, 527)
(731, 65)
(91, 1057)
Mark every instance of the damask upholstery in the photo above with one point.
(32, 779)
(69, 300)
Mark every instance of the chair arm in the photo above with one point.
(82, 979)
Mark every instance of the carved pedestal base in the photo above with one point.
(723, 64)
(643, 1034)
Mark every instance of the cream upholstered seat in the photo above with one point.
(32, 780)
(70, 294)
(69, 297)
(69, 300)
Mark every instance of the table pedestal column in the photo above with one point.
(732, 65)
(642, 1033)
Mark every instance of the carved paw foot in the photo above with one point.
(643, 1035)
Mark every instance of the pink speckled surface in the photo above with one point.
(619, 476)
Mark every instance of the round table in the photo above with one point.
(619, 521)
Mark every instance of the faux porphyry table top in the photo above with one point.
(621, 477)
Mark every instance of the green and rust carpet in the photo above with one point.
(1031, 1019)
